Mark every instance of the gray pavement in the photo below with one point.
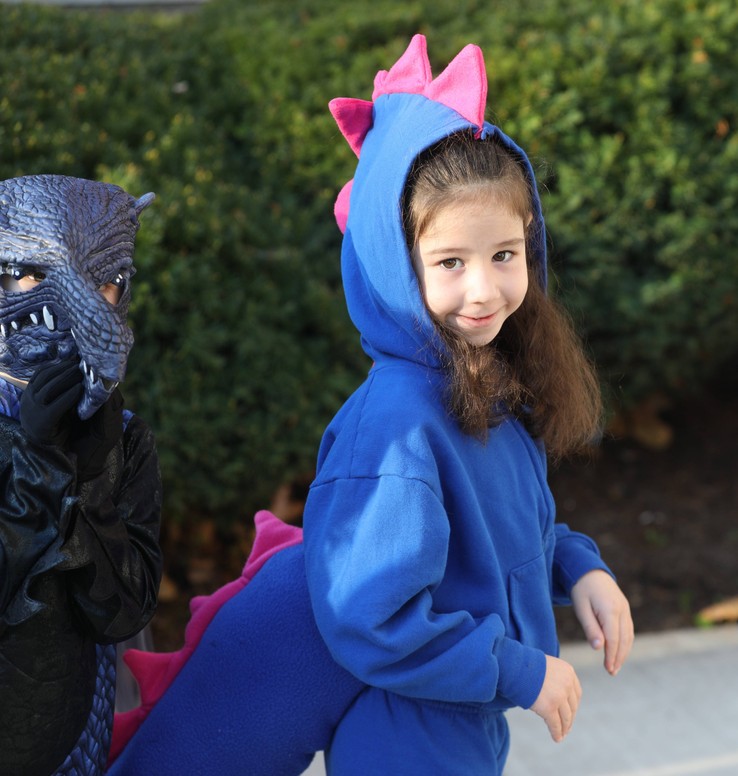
(672, 711)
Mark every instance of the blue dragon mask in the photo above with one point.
(63, 240)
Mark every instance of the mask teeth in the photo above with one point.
(92, 378)
(46, 315)
(88, 371)
(49, 319)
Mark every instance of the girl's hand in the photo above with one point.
(604, 614)
(558, 701)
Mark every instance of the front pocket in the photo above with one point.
(531, 608)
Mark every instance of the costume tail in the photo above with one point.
(252, 691)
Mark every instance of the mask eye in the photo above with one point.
(18, 278)
(113, 289)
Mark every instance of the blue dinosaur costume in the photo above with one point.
(80, 491)
(433, 558)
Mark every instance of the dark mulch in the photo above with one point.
(666, 522)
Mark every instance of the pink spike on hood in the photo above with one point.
(410, 74)
(462, 87)
(341, 207)
(354, 119)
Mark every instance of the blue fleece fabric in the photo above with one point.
(258, 697)
(433, 559)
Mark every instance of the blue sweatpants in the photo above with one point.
(384, 734)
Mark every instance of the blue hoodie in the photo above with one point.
(433, 559)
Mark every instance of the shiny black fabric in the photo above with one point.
(80, 565)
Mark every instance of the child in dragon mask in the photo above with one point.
(79, 520)
(432, 553)
(80, 562)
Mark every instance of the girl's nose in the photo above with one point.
(482, 286)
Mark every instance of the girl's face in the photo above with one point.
(471, 267)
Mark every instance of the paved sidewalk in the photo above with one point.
(672, 711)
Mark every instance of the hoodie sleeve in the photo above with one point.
(375, 550)
(575, 555)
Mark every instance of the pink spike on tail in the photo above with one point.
(154, 671)
(272, 535)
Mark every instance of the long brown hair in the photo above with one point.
(536, 368)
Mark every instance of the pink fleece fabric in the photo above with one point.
(462, 86)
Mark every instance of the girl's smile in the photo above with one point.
(471, 267)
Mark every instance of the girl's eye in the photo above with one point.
(503, 256)
(451, 263)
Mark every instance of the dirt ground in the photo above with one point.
(666, 522)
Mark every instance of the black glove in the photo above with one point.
(48, 405)
(93, 439)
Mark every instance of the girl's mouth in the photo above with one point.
(474, 322)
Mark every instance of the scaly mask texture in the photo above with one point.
(73, 236)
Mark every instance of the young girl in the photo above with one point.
(432, 554)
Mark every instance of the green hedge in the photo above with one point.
(244, 349)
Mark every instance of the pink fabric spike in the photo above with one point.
(411, 73)
(462, 86)
(154, 671)
(126, 724)
(151, 670)
(197, 602)
(354, 119)
(272, 535)
(341, 207)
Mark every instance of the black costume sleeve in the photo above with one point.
(112, 540)
(102, 535)
(34, 484)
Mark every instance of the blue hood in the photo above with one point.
(382, 292)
